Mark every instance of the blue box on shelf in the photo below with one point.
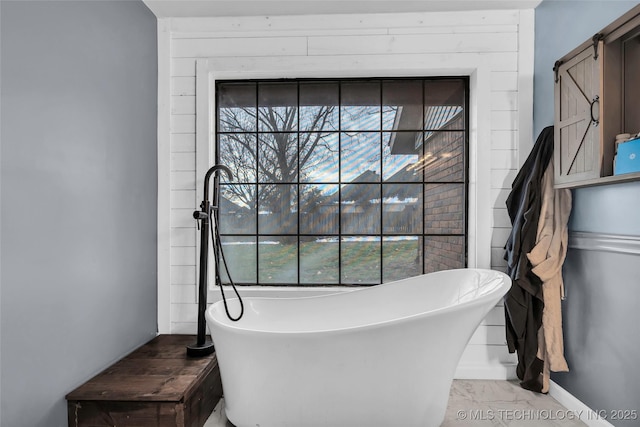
(627, 157)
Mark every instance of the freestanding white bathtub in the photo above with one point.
(378, 356)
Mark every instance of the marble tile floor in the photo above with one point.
(484, 403)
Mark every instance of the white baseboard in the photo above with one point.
(486, 372)
(569, 401)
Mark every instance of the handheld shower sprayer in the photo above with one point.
(207, 217)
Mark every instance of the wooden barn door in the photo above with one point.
(577, 155)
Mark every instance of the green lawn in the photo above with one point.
(319, 262)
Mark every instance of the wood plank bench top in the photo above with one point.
(156, 385)
(158, 371)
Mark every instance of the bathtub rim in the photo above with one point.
(502, 289)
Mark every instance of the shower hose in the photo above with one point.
(217, 248)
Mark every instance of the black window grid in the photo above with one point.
(340, 235)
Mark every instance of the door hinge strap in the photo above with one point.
(556, 68)
(596, 41)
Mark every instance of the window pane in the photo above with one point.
(319, 106)
(240, 254)
(278, 259)
(402, 105)
(401, 257)
(361, 260)
(278, 157)
(237, 212)
(444, 92)
(238, 153)
(401, 156)
(402, 208)
(277, 107)
(443, 253)
(319, 260)
(350, 181)
(237, 107)
(360, 157)
(360, 208)
(278, 209)
(319, 157)
(444, 209)
(444, 156)
(444, 104)
(319, 209)
(360, 109)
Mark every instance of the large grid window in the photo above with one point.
(342, 182)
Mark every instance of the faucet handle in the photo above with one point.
(199, 216)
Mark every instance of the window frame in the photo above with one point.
(476, 67)
(422, 234)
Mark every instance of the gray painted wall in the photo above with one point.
(599, 316)
(609, 209)
(78, 197)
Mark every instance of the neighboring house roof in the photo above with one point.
(228, 207)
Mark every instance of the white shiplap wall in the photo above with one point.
(504, 37)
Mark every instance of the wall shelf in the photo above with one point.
(613, 179)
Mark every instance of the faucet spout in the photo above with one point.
(217, 168)
(212, 171)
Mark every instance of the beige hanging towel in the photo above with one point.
(547, 257)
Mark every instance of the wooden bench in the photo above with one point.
(156, 385)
